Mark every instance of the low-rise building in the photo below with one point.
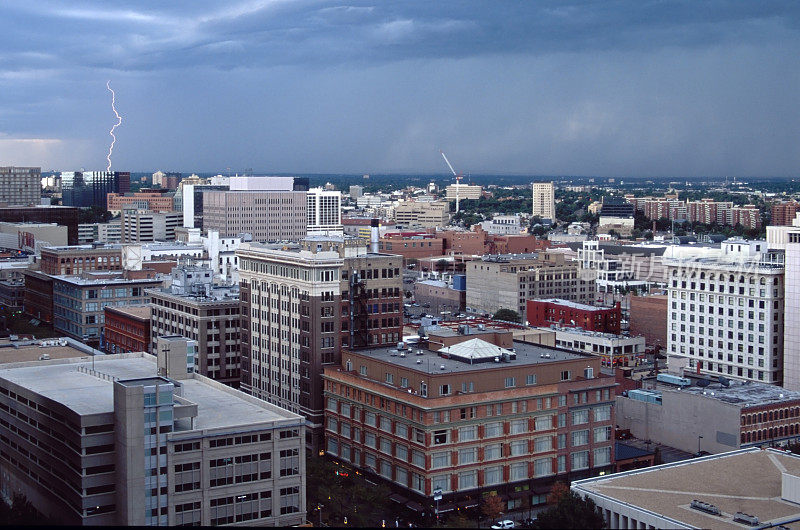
(739, 489)
(439, 296)
(109, 442)
(79, 302)
(613, 349)
(155, 200)
(719, 417)
(76, 259)
(471, 417)
(127, 329)
(565, 313)
(411, 245)
(422, 214)
(509, 281)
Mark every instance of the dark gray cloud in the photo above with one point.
(635, 87)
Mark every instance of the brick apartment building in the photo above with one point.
(572, 314)
(76, 259)
(156, 200)
(783, 213)
(469, 418)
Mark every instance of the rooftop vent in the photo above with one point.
(705, 507)
(746, 518)
(402, 354)
(442, 367)
(419, 361)
(401, 345)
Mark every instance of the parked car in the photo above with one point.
(503, 525)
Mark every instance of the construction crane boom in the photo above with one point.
(456, 175)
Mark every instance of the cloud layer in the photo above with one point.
(608, 88)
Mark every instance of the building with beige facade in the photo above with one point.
(544, 204)
(509, 281)
(145, 226)
(421, 214)
(465, 191)
(20, 185)
(110, 442)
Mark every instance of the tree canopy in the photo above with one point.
(571, 511)
(508, 315)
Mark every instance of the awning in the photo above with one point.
(399, 499)
(411, 505)
(449, 507)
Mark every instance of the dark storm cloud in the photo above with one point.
(636, 87)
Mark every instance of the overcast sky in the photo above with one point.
(629, 88)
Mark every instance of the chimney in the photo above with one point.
(374, 234)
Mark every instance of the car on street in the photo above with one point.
(503, 525)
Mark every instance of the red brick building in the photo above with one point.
(412, 245)
(156, 200)
(648, 315)
(76, 259)
(573, 314)
(783, 213)
(127, 329)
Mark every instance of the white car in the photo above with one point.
(503, 525)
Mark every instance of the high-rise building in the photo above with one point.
(168, 180)
(91, 188)
(299, 305)
(197, 309)
(791, 329)
(268, 208)
(20, 185)
(356, 191)
(544, 204)
(726, 312)
(129, 441)
(324, 212)
(783, 213)
(144, 226)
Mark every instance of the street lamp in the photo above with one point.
(319, 508)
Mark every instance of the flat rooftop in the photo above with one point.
(30, 350)
(526, 355)
(217, 405)
(141, 312)
(740, 393)
(573, 305)
(746, 481)
(102, 278)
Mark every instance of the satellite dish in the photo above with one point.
(724, 381)
(703, 382)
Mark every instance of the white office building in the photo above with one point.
(324, 212)
(726, 312)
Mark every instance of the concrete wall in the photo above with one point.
(680, 419)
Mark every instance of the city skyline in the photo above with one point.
(618, 89)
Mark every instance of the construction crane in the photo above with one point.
(458, 176)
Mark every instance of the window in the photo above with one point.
(467, 456)
(562, 420)
(510, 382)
(390, 378)
(602, 413)
(370, 440)
(519, 447)
(441, 437)
(492, 475)
(441, 482)
(530, 379)
(519, 426)
(602, 456)
(494, 429)
(468, 413)
(542, 444)
(562, 463)
(565, 375)
(580, 437)
(401, 452)
(579, 417)
(290, 500)
(417, 458)
(519, 471)
(544, 423)
(602, 434)
(444, 390)
(468, 479)
(542, 467)
(386, 446)
(290, 462)
(332, 404)
(580, 460)
(492, 452)
(370, 419)
(466, 434)
(401, 430)
(386, 424)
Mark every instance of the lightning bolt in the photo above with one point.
(119, 122)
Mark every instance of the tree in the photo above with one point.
(441, 265)
(21, 513)
(508, 315)
(558, 492)
(572, 511)
(492, 506)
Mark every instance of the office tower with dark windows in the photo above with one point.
(91, 188)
